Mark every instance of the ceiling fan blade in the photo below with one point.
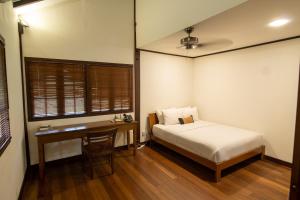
(181, 47)
(215, 44)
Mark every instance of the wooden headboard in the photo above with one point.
(152, 119)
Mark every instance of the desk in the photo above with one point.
(61, 133)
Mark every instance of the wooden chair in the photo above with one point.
(99, 144)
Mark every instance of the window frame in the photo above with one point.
(7, 140)
(85, 64)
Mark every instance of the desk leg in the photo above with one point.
(134, 141)
(41, 161)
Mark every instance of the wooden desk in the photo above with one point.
(61, 133)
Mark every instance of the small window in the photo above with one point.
(4, 109)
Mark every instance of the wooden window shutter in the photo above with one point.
(55, 89)
(122, 88)
(109, 88)
(43, 84)
(4, 106)
(74, 89)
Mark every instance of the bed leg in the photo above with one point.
(150, 143)
(262, 155)
(218, 174)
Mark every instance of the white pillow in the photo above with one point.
(188, 111)
(171, 116)
(160, 116)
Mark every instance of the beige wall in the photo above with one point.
(155, 18)
(12, 161)
(166, 81)
(94, 30)
(254, 88)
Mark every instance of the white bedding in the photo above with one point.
(212, 141)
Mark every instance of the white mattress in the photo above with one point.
(212, 141)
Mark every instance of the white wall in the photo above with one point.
(253, 88)
(93, 30)
(177, 15)
(12, 161)
(166, 81)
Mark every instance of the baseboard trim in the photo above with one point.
(278, 161)
(143, 143)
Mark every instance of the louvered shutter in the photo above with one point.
(109, 89)
(55, 89)
(4, 106)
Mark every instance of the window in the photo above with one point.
(56, 89)
(109, 88)
(4, 114)
(60, 88)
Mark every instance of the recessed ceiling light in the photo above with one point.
(279, 22)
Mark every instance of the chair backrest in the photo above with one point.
(101, 141)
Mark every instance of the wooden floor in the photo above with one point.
(159, 173)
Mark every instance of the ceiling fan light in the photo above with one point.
(189, 46)
(189, 40)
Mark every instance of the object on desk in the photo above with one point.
(45, 128)
(118, 119)
(127, 118)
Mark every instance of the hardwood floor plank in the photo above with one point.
(159, 173)
(150, 168)
(98, 190)
(140, 178)
(132, 185)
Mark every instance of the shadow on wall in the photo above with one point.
(269, 149)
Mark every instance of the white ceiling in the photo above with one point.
(243, 25)
(157, 19)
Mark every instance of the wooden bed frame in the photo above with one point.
(217, 167)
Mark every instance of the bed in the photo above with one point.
(213, 145)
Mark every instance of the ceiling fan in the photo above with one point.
(191, 42)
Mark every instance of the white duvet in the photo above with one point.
(212, 141)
